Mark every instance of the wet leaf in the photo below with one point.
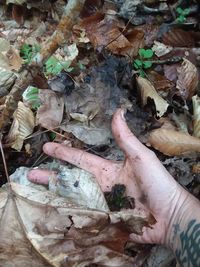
(173, 143)
(187, 79)
(147, 90)
(22, 126)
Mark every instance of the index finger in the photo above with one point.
(80, 158)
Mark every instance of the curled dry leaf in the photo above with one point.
(147, 90)
(22, 126)
(173, 143)
(196, 116)
(50, 113)
(187, 79)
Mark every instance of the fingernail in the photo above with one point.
(123, 114)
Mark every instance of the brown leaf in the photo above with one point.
(147, 90)
(187, 79)
(107, 32)
(39, 228)
(173, 143)
(160, 82)
(18, 14)
(178, 38)
(50, 113)
(196, 116)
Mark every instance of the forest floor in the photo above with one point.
(143, 56)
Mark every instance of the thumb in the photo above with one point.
(125, 138)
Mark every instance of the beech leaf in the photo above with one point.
(173, 143)
(187, 79)
(22, 126)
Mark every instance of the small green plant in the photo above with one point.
(31, 96)
(142, 63)
(182, 13)
(53, 66)
(27, 52)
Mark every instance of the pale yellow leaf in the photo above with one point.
(173, 143)
(147, 90)
(22, 126)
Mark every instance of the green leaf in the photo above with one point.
(186, 11)
(142, 73)
(52, 136)
(147, 64)
(145, 53)
(181, 19)
(31, 96)
(137, 64)
(179, 10)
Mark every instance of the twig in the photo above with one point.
(4, 160)
(26, 76)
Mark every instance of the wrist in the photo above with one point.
(183, 213)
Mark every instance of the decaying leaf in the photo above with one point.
(50, 112)
(9, 56)
(147, 90)
(161, 49)
(187, 79)
(39, 228)
(196, 116)
(22, 126)
(7, 79)
(173, 143)
(106, 32)
(91, 135)
(160, 82)
(178, 38)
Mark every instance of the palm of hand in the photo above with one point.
(145, 178)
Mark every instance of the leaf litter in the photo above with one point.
(140, 55)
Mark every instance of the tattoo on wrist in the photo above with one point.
(188, 252)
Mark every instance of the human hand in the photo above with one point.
(141, 172)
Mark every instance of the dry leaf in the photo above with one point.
(187, 79)
(91, 135)
(160, 82)
(9, 56)
(161, 49)
(148, 91)
(50, 113)
(196, 116)
(196, 168)
(22, 126)
(38, 228)
(173, 143)
(178, 38)
(106, 32)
